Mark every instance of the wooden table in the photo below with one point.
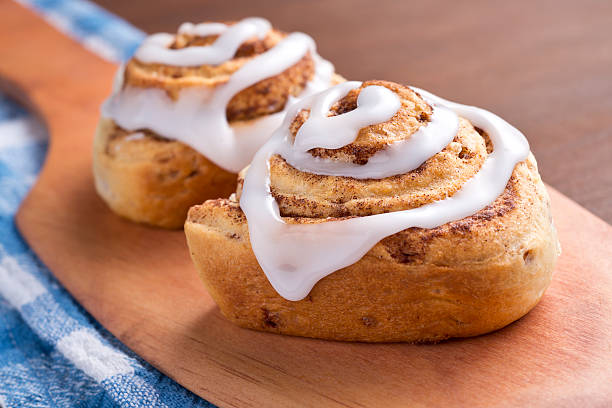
(545, 66)
(140, 284)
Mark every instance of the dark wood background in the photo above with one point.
(545, 66)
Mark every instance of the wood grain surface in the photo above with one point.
(140, 284)
(545, 66)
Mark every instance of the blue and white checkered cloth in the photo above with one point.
(52, 352)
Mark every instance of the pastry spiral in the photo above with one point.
(190, 109)
(467, 276)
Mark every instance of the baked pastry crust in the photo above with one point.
(263, 98)
(461, 279)
(154, 180)
(464, 278)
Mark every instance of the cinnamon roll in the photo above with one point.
(189, 111)
(379, 212)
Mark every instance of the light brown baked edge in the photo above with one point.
(154, 181)
(161, 180)
(463, 279)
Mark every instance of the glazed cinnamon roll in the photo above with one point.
(190, 110)
(379, 212)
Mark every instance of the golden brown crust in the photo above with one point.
(310, 195)
(462, 279)
(413, 113)
(301, 194)
(270, 95)
(153, 180)
(263, 98)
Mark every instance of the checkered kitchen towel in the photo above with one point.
(52, 352)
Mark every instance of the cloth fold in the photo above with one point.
(52, 352)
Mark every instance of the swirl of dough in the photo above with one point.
(204, 99)
(306, 194)
(453, 238)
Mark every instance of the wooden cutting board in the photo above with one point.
(140, 283)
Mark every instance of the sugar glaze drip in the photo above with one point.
(198, 117)
(295, 257)
(397, 158)
(155, 49)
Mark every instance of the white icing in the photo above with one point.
(118, 79)
(375, 104)
(155, 49)
(295, 257)
(397, 158)
(197, 118)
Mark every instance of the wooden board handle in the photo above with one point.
(46, 70)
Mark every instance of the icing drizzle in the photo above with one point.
(155, 49)
(295, 257)
(397, 158)
(197, 118)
